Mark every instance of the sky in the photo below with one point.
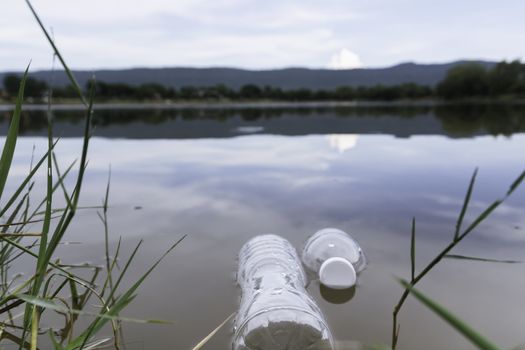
(337, 34)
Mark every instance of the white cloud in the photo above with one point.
(345, 59)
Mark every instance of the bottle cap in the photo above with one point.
(337, 273)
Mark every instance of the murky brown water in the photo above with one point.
(223, 176)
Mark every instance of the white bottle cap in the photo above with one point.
(337, 273)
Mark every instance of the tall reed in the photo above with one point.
(52, 286)
(457, 236)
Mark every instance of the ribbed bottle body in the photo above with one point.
(276, 312)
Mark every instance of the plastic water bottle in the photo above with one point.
(335, 256)
(276, 312)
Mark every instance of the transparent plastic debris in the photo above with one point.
(276, 312)
(335, 256)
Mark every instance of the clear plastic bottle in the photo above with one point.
(276, 312)
(335, 256)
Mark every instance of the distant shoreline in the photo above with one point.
(4, 106)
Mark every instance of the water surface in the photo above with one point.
(222, 176)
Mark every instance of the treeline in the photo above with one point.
(152, 91)
(469, 80)
(34, 88)
(473, 80)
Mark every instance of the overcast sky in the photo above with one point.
(261, 34)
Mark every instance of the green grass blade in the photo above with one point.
(15, 339)
(85, 146)
(104, 220)
(98, 344)
(41, 266)
(83, 339)
(110, 271)
(212, 333)
(413, 250)
(476, 338)
(69, 73)
(12, 136)
(68, 215)
(9, 149)
(61, 182)
(493, 206)
(36, 210)
(123, 272)
(516, 183)
(34, 255)
(481, 218)
(123, 300)
(23, 184)
(148, 272)
(106, 197)
(56, 344)
(13, 215)
(473, 258)
(465, 204)
(51, 305)
(68, 208)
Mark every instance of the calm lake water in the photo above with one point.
(224, 175)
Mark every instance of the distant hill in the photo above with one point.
(288, 78)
